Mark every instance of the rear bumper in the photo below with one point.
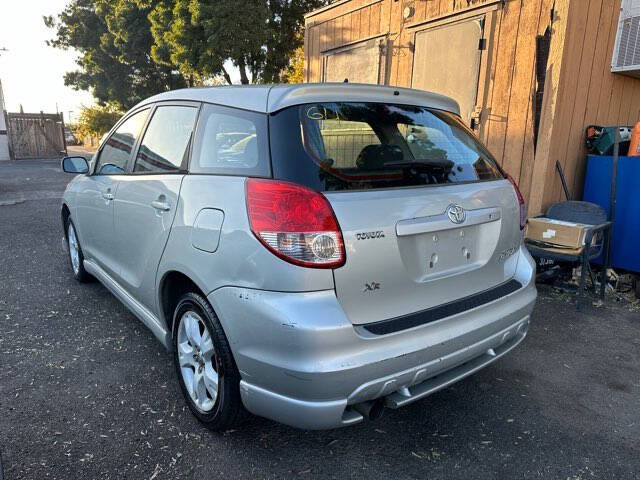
(304, 364)
(337, 413)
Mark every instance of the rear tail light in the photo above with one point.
(523, 207)
(295, 223)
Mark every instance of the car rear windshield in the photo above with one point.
(348, 145)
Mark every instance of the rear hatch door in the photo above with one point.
(426, 214)
(414, 248)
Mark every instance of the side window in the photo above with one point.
(230, 141)
(166, 141)
(115, 153)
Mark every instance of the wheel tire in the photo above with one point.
(227, 409)
(78, 270)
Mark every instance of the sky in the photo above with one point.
(30, 71)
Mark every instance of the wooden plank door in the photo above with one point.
(447, 61)
(362, 62)
(33, 136)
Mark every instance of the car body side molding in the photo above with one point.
(141, 312)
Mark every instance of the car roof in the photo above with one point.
(271, 98)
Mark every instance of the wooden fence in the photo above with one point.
(35, 136)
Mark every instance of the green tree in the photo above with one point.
(95, 121)
(294, 73)
(114, 40)
(198, 36)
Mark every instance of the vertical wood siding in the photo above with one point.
(597, 96)
(580, 88)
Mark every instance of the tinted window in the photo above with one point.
(165, 144)
(342, 146)
(116, 151)
(231, 141)
(344, 140)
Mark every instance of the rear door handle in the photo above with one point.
(433, 223)
(160, 205)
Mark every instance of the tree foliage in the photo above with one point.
(294, 73)
(114, 40)
(132, 49)
(199, 36)
(95, 121)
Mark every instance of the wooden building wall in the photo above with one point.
(588, 94)
(579, 87)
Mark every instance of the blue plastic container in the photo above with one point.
(625, 248)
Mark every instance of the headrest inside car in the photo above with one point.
(376, 155)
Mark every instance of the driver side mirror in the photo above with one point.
(75, 165)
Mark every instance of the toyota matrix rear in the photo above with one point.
(332, 251)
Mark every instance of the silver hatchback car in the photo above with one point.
(312, 253)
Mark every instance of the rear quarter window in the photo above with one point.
(347, 146)
(230, 141)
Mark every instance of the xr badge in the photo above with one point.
(372, 286)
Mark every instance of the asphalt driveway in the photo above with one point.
(87, 392)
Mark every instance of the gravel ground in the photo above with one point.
(87, 392)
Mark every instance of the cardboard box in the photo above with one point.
(572, 251)
(555, 233)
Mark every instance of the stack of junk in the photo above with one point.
(612, 182)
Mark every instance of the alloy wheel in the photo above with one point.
(196, 355)
(74, 249)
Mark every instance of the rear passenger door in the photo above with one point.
(147, 198)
